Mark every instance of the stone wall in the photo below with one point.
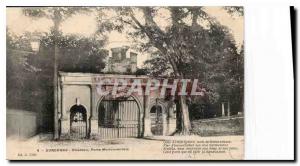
(233, 125)
(20, 124)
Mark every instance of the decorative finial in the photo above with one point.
(77, 101)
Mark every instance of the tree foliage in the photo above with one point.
(186, 42)
(238, 10)
(30, 74)
(76, 53)
(56, 14)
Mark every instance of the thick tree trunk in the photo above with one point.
(185, 117)
(55, 84)
(185, 128)
(57, 21)
(178, 117)
(169, 52)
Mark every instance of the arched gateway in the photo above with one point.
(156, 115)
(118, 117)
(78, 122)
(85, 113)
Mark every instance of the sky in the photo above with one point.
(85, 25)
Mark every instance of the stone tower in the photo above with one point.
(121, 61)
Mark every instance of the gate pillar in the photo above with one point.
(94, 128)
(94, 114)
(165, 122)
(64, 119)
(65, 128)
(147, 119)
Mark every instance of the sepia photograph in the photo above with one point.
(125, 83)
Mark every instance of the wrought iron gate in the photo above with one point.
(118, 118)
(78, 124)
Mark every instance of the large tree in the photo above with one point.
(145, 28)
(183, 39)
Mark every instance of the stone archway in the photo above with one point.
(78, 122)
(157, 120)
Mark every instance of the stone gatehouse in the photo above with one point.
(83, 113)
